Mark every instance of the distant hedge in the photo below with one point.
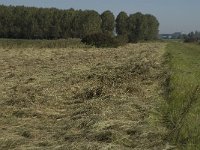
(50, 23)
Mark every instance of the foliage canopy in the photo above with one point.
(50, 23)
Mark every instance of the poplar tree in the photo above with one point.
(122, 23)
(108, 22)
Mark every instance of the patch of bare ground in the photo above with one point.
(83, 98)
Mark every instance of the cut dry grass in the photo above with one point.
(83, 98)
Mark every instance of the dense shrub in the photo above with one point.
(122, 40)
(100, 40)
(191, 40)
(192, 37)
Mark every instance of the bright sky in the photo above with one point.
(173, 15)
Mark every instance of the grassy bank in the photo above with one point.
(183, 100)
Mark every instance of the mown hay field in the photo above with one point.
(82, 98)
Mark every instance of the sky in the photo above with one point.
(173, 15)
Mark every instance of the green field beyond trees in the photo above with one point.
(183, 95)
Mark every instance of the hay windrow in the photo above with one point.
(83, 98)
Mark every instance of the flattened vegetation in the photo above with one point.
(83, 98)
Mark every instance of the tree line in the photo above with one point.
(192, 37)
(21, 22)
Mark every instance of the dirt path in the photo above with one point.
(82, 99)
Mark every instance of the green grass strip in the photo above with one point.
(182, 114)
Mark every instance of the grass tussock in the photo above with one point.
(83, 98)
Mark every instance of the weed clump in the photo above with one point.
(89, 93)
(104, 137)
